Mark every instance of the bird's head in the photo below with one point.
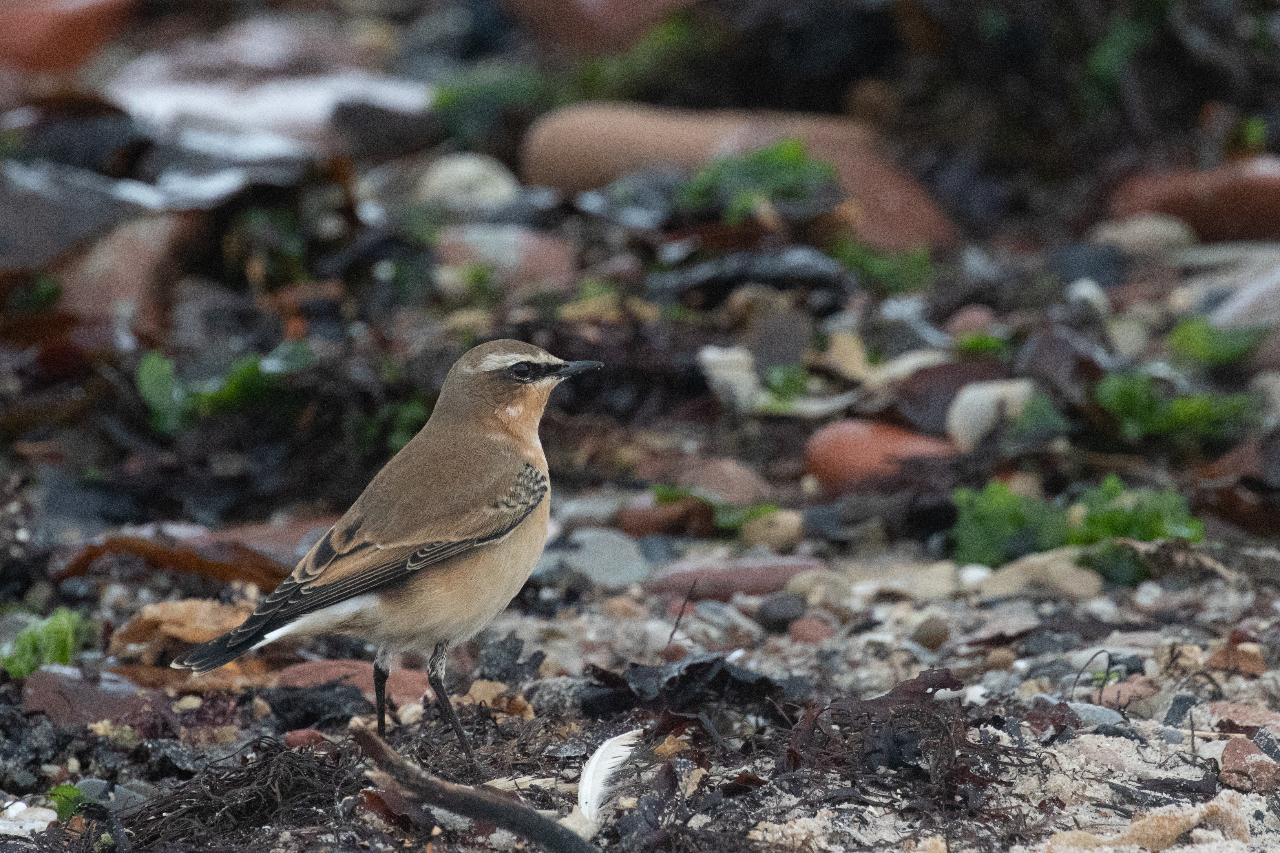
(508, 380)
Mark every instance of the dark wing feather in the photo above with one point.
(305, 592)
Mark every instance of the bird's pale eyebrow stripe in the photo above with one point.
(503, 360)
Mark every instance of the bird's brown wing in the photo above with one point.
(344, 565)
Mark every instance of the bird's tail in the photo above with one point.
(213, 654)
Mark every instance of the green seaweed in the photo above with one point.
(885, 273)
(739, 184)
(1144, 409)
(55, 639)
(1196, 340)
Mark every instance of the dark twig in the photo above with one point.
(687, 596)
(476, 803)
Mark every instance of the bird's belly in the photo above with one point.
(453, 602)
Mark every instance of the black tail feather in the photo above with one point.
(213, 654)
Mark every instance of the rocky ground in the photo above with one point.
(927, 500)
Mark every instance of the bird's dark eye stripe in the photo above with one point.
(528, 371)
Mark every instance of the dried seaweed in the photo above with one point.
(264, 785)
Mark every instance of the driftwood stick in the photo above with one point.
(477, 803)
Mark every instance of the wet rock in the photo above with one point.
(924, 398)
(1247, 768)
(330, 704)
(779, 610)
(848, 452)
(499, 660)
(720, 578)
(587, 146)
(48, 35)
(67, 698)
(1178, 708)
(299, 738)
(1237, 201)
(608, 558)
(1145, 234)
(779, 531)
(980, 406)
(106, 793)
(163, 758)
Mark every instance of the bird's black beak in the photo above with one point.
(569, 368)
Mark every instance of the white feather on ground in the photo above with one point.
(593, 786)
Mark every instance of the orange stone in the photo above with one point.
(1236, 201)
(587, 146)
(848, 452)
(53, 35)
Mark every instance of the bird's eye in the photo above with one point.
(522, 370)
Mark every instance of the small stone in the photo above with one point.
(780, 531)
(810, 630)
(1145, 234)
(970, 320)
(931, 633)
(1001, 659)
(1054, 570)
(609, 558)
(1178, 708)
(1096, 715)
(465, 181)
(689, 516)
(778, 611)
(1246, 768)
(1244, 658)
(1122, 694)
(979, 406)
(848, 452)
(1085, 291)
(726, 480)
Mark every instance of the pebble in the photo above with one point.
(1247, 768)
(810, 630)
(609, 558)
(847, 452)
(778, 611)
(1101, 263)
(720, 578)
(979, 406)
(931, 633)
(1237, 201)
(21, 819)
(466, 180)
(1145, 234)
(780, 531)
(1096, 715)
(1086, 291)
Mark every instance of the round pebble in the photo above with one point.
(931, 633)
(779, 610)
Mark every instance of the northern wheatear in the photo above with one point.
(443, 537)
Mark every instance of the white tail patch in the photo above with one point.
(594, 786)
(323, 619)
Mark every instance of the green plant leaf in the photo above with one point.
(65, 799)
(158, 386)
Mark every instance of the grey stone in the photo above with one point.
(609, 558)
(1096, 715)
(779, 610)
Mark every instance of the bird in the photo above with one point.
(442, 538)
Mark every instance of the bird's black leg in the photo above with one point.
(435, 677)
(380, 673)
